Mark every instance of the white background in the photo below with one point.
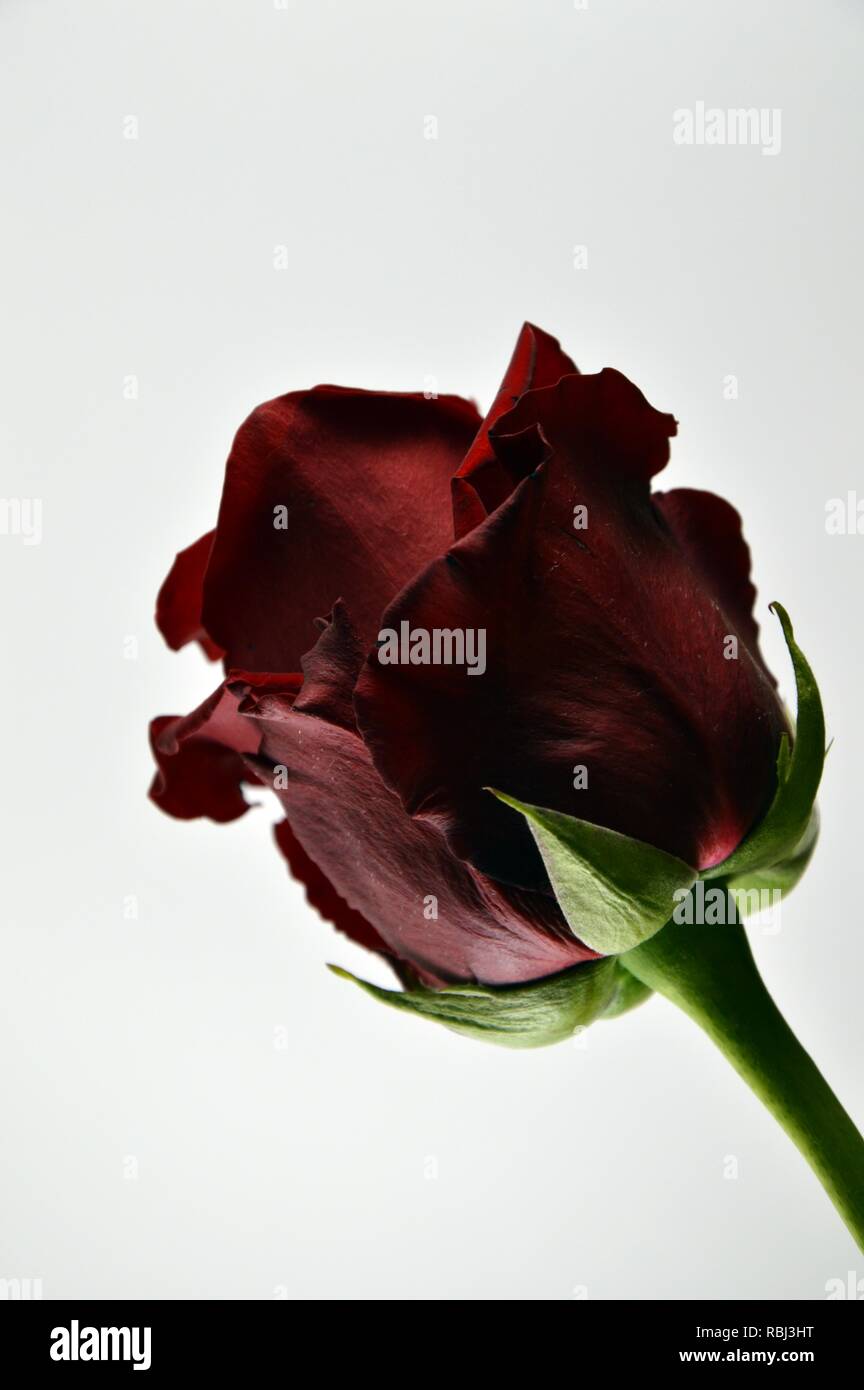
(310, 1168)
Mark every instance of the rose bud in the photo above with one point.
(513, 705)
(603, 616)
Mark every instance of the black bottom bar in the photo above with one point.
(161, 1338)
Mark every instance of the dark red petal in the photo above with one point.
(365, 480)
(386, 867)
(483, 482)
(330, 671)
(200, 760)
(709, 530)
(178, 606)
(602, 420)
(605, 649)
(321, 894)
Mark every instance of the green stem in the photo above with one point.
(710, 973)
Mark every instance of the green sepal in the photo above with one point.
(532, 1015)
(784, 839)
(629, 994)
(615, 892)
(780, 877)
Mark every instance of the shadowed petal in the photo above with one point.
(709, 529)
(605, 651)
(430, 909)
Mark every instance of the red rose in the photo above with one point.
(509, 607)
(579, 642)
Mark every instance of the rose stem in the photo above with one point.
(710, 973)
